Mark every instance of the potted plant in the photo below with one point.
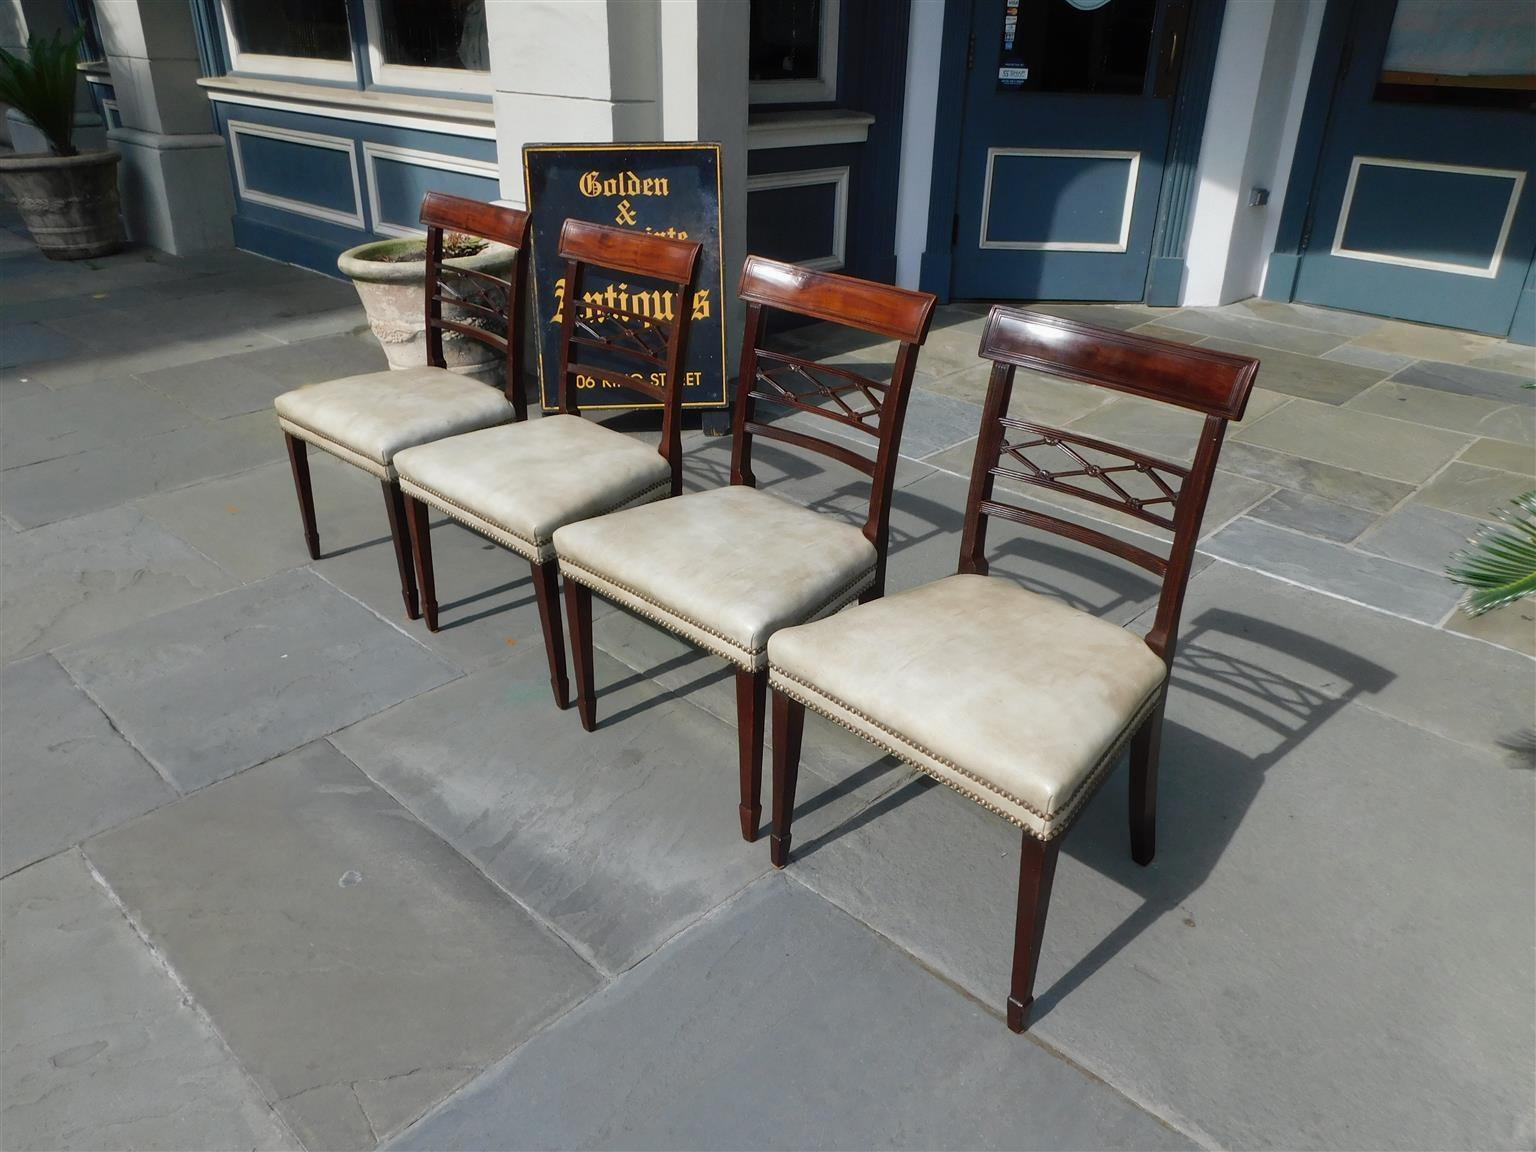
(67, 198)
(391, 278)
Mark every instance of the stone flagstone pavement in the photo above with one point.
(281, 869)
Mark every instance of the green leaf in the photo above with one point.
(1499, 565)
(42, 87)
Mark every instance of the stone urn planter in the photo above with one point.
(392, 286)
(69, 203)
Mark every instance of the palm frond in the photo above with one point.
(1498, 565)
(42, 87)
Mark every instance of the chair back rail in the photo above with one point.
(645, 337)
(830, 392)
(1170, 495)
(481, 301)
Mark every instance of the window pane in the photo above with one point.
(1450, 51)
(434, 34)
(313, 29)
(1076, 45)
(785, 40)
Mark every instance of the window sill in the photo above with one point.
(812, 128)
(442, 113)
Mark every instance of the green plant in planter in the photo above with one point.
(1499, 565)
(42, 87)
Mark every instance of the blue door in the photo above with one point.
(1067, 110)
(1424, 207)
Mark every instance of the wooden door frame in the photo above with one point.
(1176, 195)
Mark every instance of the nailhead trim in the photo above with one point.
(337, 448)
(1060, 817)
(594, 580)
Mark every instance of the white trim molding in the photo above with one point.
(438, 161)
(410, 76)
(824, 85)
(242, 128)
(473, 118)
(838, 179)
(813, 128)
(299, 67)
(1119, 245)
(1488, 272)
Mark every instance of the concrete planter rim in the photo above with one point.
(360, 263)
(37, 161)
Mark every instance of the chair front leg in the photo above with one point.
(751, 707)
(1145, 746)
(394, 501)
(546, 580)
(788, 725)
(1037, 869)
(418, 515)
(298, 460)
(578, 613)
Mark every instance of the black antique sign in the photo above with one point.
(669, 189)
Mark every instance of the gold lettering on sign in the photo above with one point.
(653, 303)
(623, 184)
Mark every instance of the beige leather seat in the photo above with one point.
(517, 483)
(366, 419)
(1012, 698)
(724, 568)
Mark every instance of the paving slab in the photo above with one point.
(780, 1022)
(30, 343)
(241, 677)
(250, 524)
(620, 837)
(1162, 429)
(336, 942)
(101, 1050)
(1419, 535)
(82, 577)
(92, 416)
(1476, 415)
(1312, 477)
(1307, 316)
(1464, 380)
(66, 773)
(1347, 438)
(1249, 985)
(1329, 567)
(215, 389)
(1368, 358)
(1473, 490)
(311, 361)
(1423, 342)
(1264, 333)
(89, 481)
(1308, 377)
(1313, 515)
(1501, 454)
(1044, 399)
(1512, 626)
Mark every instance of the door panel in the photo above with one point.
(1424, 208)
(1062, 146)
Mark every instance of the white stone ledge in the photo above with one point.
(815, 128)
(405, 110)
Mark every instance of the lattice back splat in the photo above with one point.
(471, 302)
(827, 391)
(1171, 496)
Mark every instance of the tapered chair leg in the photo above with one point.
(578, 614)
(394, 501)
(546, 582)
(1145, 745)
(418, 515)
(1037, 869)
(751, 709)
(298, 460)
(788, 725)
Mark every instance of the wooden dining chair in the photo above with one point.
(515, 484)
(366, 420)
(726, 568)
(1012, 698)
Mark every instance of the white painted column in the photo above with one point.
(1263, 65)
(175, 179)
(918, 128)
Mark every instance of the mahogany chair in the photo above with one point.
(365, 420)
(515, 484)
(1011, 698)
(726, 568)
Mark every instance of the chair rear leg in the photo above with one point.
(394, 501)
(417, 515)
(298, 460)
(751, 709)
(578, 614)
(1145, 745)
(546, 582)
(788, 725)
(1037, 869)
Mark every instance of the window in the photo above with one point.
(1098, 46)
(793, 51)
(438, 44)
(1452, 52)
(306, 38)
